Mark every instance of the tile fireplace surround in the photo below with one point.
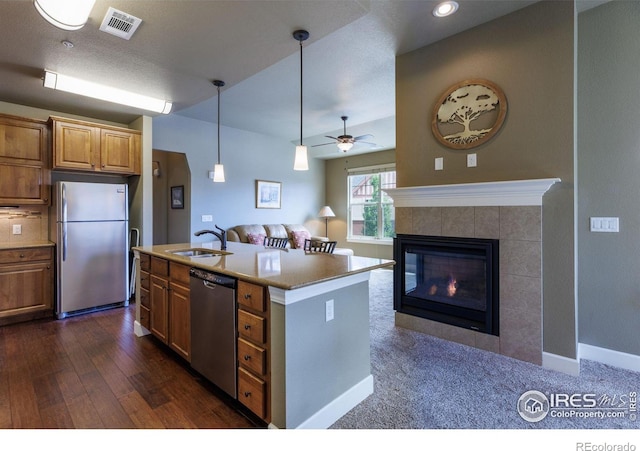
(509, 211)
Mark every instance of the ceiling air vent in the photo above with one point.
(119, 23)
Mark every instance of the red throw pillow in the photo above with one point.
(255, 238)
(298, 238)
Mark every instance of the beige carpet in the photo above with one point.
(422, 382)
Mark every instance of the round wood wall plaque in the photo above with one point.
(469, 114)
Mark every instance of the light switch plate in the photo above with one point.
(17, 229)
(207, 218)
(599, 224)
(472, 160)
(439, 163)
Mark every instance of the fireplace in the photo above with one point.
(449, 280)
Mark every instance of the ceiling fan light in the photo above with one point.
(218, 173)
(68, 15)
(345, 147)
(301, 162)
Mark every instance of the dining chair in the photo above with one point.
(271, 241)
(326, 247)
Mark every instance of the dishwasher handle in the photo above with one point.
(209, 285)
(213, 278)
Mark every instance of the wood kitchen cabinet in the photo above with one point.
(144, 295)
(24, 161)
(89, 147)
(159, 293)
(254, 375)
(26, 284)
(180, 310)
(164, 288)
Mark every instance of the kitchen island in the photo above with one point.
(315, 347)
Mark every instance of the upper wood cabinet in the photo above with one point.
(24, 161)
(85, 146)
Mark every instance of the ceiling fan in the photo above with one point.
(345, 142)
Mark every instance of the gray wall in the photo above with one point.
(608, 183)
(246, 157)
(530, 55)
(336, 196)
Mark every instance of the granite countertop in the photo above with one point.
(8, 246)
(287, 269)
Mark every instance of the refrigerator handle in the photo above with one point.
(63, 203)
(64, 241)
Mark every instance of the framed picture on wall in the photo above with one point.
(177, 196)
(268, 194)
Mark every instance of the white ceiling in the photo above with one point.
(181, 46)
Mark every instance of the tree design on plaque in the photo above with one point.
(469, 114)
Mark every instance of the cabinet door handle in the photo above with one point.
(247, 357)
(247, 326)
(247, 394)
(21, 255)
(247, 296)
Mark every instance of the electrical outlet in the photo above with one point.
(328, 310)
(17, 229)
(207, 218)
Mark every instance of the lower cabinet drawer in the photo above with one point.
(252, 392)
(252, 357)
(145, 280)
(145, 317)
(145, 298)
(252, 326)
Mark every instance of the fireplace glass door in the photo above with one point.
(450, 280)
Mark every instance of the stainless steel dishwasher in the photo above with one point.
(213, 328)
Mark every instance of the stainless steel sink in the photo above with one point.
(197, 252)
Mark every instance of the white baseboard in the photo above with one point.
(609, 357)
(139, 329)
(337, 408)
(561, 363)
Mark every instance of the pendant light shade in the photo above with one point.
(218, 169)
(301, 162)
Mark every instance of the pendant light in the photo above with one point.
(301, 163)
(218, 169)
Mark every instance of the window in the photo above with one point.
(371, 215)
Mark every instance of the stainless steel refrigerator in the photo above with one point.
(91, 222)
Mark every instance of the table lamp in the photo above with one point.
(326, 212)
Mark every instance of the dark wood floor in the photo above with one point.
(91, 371)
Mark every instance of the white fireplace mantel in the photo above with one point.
(506, 193)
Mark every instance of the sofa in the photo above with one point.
(295, 233)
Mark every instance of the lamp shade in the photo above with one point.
(218, 173)
(326, 212)
(301, 163)
(67, 15)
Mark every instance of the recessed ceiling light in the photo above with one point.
(445, 9)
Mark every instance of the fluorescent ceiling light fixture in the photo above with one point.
(66, 14)
(445, 9)
(74, 85)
